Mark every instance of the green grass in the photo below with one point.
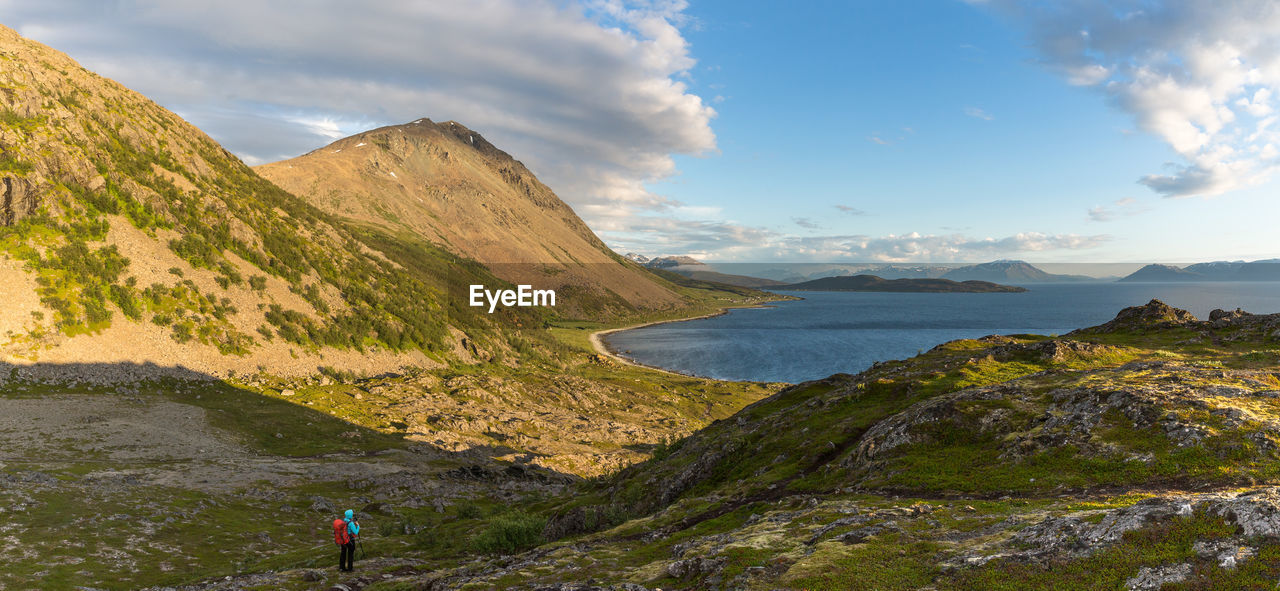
(892, 563)
(1162, 544)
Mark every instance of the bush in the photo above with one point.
(341, 376)
(509, 533)
(229, 271)
(195, 250)
(124, 298)
(469, 510)
(666, 447)
(182, 332)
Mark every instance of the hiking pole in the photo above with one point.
(360, 544)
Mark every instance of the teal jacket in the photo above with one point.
(353, 528)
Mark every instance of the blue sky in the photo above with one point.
(935, 118)
(939, 131)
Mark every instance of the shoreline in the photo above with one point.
(597, 341)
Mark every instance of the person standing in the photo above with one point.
(345, 530)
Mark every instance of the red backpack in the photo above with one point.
(340, 536)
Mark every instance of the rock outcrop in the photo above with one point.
(17, 200)
(1153, 315)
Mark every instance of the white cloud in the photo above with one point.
(977, 113)
(1086, 75)
(1202, 76)
(591, 95)
(916, 247)
(730, 242)
(326, 127)
(1121, 207)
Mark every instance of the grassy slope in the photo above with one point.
(766, 493)
(94, 153)
(348, 418)
(97, 154)
(272, 526)
(753, 492)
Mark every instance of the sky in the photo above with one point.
(915, 131)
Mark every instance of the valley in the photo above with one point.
(1132, 454)
(197, 367)
(203, 363)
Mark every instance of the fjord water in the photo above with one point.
(827, 333)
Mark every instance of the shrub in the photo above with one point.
(194, 249)
(509, 533)
(468, 510)
(124, 298)
(182, 332)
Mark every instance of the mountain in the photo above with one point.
(873, 283)
(905, 271)
(1137, 454)
(213, 345)
(446, 184)
(1010, 272)
(1265, 270)
(695, 269)
(672, 261)
(1156, 273)
(1261, 270)
(661, 262)
(1219, 270)
(727, 278)
(127, 234)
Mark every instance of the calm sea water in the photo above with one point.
(828, 333)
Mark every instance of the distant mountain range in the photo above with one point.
(906, 271)
(730, 279)
(1011, 272)
(669, 262)
(873, 283)
(1263, 270)
(1001, 271)
(696, 269)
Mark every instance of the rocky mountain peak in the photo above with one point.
(449, 185)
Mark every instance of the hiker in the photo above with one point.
(345, 530)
